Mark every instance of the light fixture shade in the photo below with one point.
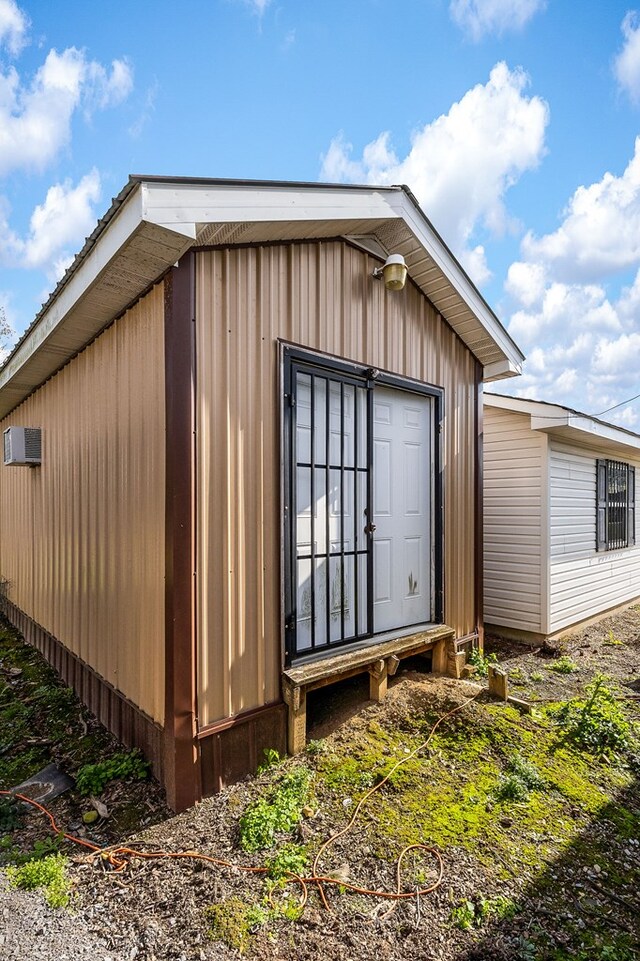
(394, 272)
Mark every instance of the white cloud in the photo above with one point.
(257, 6)
(13, 26)
(600, 233)
(582, 345)
(626, 66)
(57, 226)
(146, 112)
(612, 356)
(564, 307)
(526, 282)
(65, 218)
(104, 89)
(475, 263)
(460, 165)
(480, 17)
(583, 340)
(35, 120)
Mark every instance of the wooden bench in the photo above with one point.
(380, 660)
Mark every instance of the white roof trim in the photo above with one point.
(568, 424)
(154, 221)
(453, 271)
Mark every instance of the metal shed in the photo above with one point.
(255, 458)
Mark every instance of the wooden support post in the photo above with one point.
(393, 664)
(296, 700)
(498, 685)
(455, 663)
(439, 658)
(378, 680)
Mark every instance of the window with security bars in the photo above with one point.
(616, 505)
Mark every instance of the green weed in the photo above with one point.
(290, 859)
(93, 778)
(10, 814)
(564, 665)
(276, 813)
(473, 914)
(521, 778)
(271, 758)
(481, 661)
(596, 723)
(48, 873)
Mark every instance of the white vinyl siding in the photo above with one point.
(514, 502)
(583, 583)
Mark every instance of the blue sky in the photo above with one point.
(515, 122)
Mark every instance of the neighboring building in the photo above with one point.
(218, 359)
(560, 525)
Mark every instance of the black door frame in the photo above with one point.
(295, 359)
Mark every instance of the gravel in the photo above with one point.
(29, 929)
(155, 910)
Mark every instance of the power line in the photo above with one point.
(621, 404)
(568, 409)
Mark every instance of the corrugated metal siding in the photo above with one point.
(320, 296)
(82, 536)
(513, 521)
(583, 582)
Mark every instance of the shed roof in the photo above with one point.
(155, 220)
(570, 425)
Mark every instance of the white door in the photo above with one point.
(401, 508)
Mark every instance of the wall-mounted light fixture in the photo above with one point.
(393, 272)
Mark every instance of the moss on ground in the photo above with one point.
(448, 794)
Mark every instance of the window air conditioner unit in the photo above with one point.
(22, 446)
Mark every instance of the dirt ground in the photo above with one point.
(554, 875)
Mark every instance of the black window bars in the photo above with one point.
(615, 505)
(328, 493)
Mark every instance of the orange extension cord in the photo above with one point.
(118, 856)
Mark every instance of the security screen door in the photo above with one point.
(359, 499)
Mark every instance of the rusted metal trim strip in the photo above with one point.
(116, 712)
(216, 727)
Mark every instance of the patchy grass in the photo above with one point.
(42, 721)
(48, 873)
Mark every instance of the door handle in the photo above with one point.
(370, 528)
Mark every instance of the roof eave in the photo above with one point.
(162, 214)
(569, 425)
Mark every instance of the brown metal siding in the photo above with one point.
(324, 297)
(82, 536)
